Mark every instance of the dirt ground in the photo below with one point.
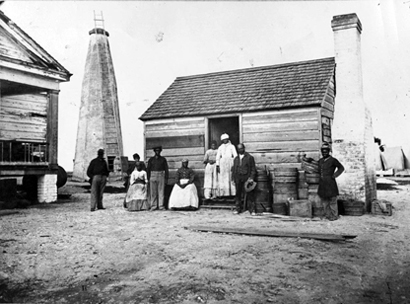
(63, 253)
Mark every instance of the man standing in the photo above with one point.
(224, 161)
(157, 172)
(243, 172)
(98, 172)
(328, 190)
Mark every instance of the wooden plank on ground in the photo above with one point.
(270, 233)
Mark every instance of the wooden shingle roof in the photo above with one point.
(254, 89)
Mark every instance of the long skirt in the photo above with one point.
(211, 181)
(183, 198)
(136, 198)
(226, 185)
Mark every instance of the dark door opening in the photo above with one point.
(218, 126)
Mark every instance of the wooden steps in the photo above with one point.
(219, 203)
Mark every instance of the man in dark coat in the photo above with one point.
(243, 171)
(157, 172)
(98, 172)
(328, 190)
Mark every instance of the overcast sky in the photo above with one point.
(152, 43)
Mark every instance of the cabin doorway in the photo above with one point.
(218, 126)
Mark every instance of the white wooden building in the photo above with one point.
(29, 90)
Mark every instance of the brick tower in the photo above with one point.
(99, 120)
(352, 133)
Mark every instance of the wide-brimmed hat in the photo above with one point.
(185, 160)
(250, 185)
(325, 146)
(157, 148)
(224, 136)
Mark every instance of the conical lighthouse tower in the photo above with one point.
(99, 124)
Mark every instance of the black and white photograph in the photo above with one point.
(178, 152)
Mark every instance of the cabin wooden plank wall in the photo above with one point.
(327, 111)
(180, 138)
(279, 138)
(23, 117)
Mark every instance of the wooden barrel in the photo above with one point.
(302, 185)
(61, 177)
(284, 184)
(280, 208)
(312, 178)
(262, 193)
(317, 208)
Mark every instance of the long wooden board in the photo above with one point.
(270, 233)
(284, 146)
(280, 116)
(281, 126)
(281, 136)
(177, 132)
(171, 142)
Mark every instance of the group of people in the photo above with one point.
(229, 171)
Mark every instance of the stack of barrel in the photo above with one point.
(311, 168)
(262, 192)
(285, 188)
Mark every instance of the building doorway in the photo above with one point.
(218, 126)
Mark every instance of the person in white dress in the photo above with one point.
(184, 194)
(224, 162)
(136, 197)
(211, 176)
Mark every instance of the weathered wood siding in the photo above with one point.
(279, 138)
(180, 138)
(327, 112)
(9, 48)
(23, 117)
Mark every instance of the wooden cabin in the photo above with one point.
(29, 90)
(279, 112)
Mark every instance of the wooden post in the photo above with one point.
(52, 129)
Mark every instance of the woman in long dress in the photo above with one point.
(224, 162)
(184, 194)
(136, 197)
(211, 176)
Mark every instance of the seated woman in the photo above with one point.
(136, 197)
(184, 194)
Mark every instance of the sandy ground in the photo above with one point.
(63, 253)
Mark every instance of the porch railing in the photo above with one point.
(23, 152)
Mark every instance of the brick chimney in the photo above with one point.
(99, 121)
(352, 131)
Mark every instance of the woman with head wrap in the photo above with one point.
(184, 194)
(224, 162)
(211, 178)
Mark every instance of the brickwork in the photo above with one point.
(352, 127)
(47, 188)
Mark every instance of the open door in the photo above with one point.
(218, 126)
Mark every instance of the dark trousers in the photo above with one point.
(249, 204)
(97, 190)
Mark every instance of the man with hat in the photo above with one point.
(157, 171)
(328, 190)
(98, 172)
(243, 174)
